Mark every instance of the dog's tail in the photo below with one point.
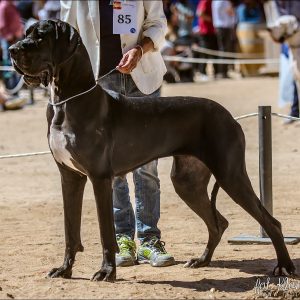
(213, 200)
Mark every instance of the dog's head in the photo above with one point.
(47, 45)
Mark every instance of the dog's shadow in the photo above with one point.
(235, 285)
(259, 268)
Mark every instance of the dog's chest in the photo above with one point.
(59, 141)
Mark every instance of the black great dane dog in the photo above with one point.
(98, 136)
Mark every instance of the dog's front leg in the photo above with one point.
(72, 189)
(103, 194)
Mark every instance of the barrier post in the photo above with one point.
(31, 98)
(265, 179)
(265, 160)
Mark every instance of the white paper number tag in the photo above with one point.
(124, 17)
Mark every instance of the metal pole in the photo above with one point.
(31, 91)
(265, 159)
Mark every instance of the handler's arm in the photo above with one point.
(155, 25)
(153, 36)
(68, 12)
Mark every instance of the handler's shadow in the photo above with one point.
(262, 268)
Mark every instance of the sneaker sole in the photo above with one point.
(165, 263)
(125, 263)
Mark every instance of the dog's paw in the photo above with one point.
(62, 272)
(107, 273)
(288, 270)
(196, 263)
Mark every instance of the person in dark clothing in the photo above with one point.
(207, 34)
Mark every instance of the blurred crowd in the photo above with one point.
(218, 25)
(197, 29)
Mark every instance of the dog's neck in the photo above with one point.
(73, 77)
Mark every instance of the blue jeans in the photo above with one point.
(146, 181)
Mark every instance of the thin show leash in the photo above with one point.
(85, 92)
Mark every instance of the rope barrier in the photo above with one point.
(24, 154)
(236, 118)
(7, 68)
(20, 84)
(222, 61)
(226, 54)
(16, 88)
(285, 117)
(246, 116)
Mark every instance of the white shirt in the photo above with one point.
(151, 22)
(221, 19)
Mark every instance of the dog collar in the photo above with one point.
(83, 93)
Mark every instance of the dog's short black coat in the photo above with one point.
(99, 136)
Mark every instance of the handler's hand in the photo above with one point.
(130, 60)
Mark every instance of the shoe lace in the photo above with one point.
(126, 245)
(158, 246)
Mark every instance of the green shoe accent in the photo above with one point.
(127, 247)
(153, 252)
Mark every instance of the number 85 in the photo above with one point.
(124, 19)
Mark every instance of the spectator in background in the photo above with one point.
(10, 104)
(184, 14)
(224, 21)
(11, 30)
(28, 10)
(292, 8)
(250, 22)
(193, 5)
(25, 8)
(250, 11)
(50, 10)
(207, 34)
(171, 20)
(287, 86)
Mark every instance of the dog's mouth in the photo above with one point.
(17, 68)
(33, 79)
(24, 68)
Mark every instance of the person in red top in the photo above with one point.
(11, 27)
(207, 36)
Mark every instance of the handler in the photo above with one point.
(128, 35)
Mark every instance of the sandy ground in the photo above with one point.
(31, 218)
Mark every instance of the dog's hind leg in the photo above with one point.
(72, 188)
(239, 188)
(229, 169)
(190, 178)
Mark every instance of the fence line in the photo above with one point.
(222, 61)
(226, 54)
(24, 154)
(7, 68)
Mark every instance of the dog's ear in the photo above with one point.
(68, 31)
(29, 29)
(67, 37)
(64, 32)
